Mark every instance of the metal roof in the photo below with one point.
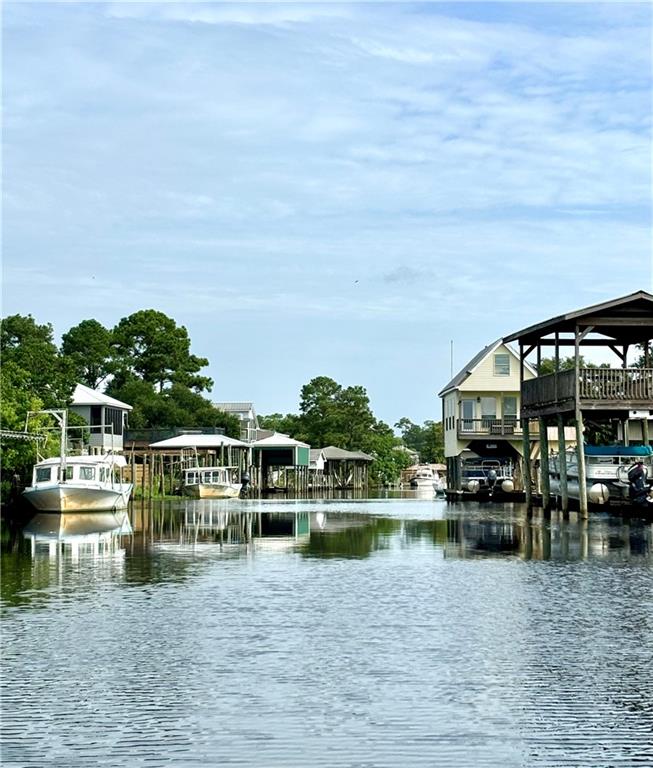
(331, 453)
(278, 440)
(199, 441)
(234, 407)
(86, 396)
(627, 320)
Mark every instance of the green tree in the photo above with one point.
(88, 348)
(382, 444)
(30, 347)
(427, 440)
(548, 364)
(150, 345)
(276, 422)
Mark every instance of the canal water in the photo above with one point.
(359, 633)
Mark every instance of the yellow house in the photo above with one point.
(480, 413)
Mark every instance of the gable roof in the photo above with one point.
(234, 407)
(278, 440)
(84, 395)
(632, 317)
(471, 366)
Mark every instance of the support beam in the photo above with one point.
(544, 466)
(582, 474)
(526, 469)
(562, 463)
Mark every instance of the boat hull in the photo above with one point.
(211, 491)
(77, 498)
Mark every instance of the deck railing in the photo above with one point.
(606, 385)
(494, 427)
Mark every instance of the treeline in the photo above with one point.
(146, 361)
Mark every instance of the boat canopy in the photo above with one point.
(618, 450)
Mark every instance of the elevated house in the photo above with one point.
(480, 408)
(246, 414)
(622, 394)
(106, 416)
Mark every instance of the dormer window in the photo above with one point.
(502, 364)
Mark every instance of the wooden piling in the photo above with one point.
(582, 474)
(526, 470)
(544, 465)
(562, 465)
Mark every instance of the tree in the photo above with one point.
(382, 444)
(428, 440)
(30, 347)
(276, 422)
(548, 364)
(150, 345)
(88, 347)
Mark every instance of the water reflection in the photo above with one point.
(157, 542)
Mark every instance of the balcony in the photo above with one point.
(508, 427)
(598, 389)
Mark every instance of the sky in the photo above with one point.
(342, 190)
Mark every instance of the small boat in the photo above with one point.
(211, 482)
(607, 470)
(79, 484)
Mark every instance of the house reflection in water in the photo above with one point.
(556, 539)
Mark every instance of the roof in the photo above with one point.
(199, 441)
(278, 440)
(106, 458)
(315, 453)
(86, 396)
(234, 407)
(478, 358)
(331, 453)
(627, 319)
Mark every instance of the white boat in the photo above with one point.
(79, 484)
(606, 472)
(425, 478)
(211, 482)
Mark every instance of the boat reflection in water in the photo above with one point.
(94, 534)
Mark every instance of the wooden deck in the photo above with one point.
(602, 389)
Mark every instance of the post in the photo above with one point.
(582, 475)
(645, 435)
(526, 469)
(544, 465)
(562, 462)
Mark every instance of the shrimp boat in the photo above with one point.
(606, 470)
(85, 483)
(211, 482)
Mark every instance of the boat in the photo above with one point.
(90, 483)
(488, 477)
(211, 482)
(425, 478)
(607, 469)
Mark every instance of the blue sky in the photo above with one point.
(326, 189)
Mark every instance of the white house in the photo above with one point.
(106, 416)
(245, 412)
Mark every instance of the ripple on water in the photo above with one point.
(382, 638)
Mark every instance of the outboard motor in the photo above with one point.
(638, 489)
(492, 478)
(245, 481)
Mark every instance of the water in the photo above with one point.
(389, 633)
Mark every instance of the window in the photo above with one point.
(488, 411)
(510, 408)
(69, 473)
(502, 364)
(87, 473)
(43, 474)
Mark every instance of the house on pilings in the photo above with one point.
(623, 393)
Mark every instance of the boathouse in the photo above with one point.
(280, 462)
(347, 469)
(622, 328)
